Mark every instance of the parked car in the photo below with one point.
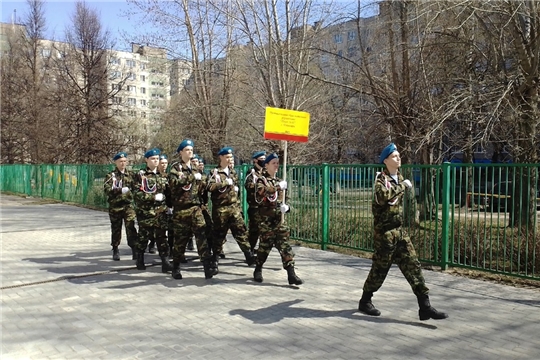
(500, 196)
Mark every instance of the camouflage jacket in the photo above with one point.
(251, 186)
(387, 203)
(268, 195)
(221, 193)
(148, 185)
(114, 182)
(204, 190)
(185, 190)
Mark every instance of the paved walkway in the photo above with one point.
(64, 298)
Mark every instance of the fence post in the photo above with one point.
(325, 204)
(445, 215)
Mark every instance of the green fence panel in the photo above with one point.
(475, 216)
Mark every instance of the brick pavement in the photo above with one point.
(64, 298)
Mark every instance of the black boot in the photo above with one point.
(165, 264)
(189, 245)
(250, 258)
(222, 255)
(293, 279)
(183, 259)
(366, 306)
(115, 254)
(176, 270)
(257, 274)
(214, 263)
(208, 269)
(140, 261)
(152, 247)
(133, 253)
(426, 311)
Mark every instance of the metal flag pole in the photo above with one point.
(284, 176)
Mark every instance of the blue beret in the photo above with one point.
(185, 143)
(162, 157)
(225, 151)
(119, 156)
(386, 152)
(270, 157)
(195, 157)
(152, 152)
(258, 154)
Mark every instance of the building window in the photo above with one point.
(143, 102)
(338, 38)
(116, 74)
(131, 88)
(340, 53)
(130, 63)
(132, 113)
(351, 35)
(45, 52)
(143, 78)
(142, 67)
(114, 61)
(117, 100)
(132, 101)
(143, 90)
(143, 115)
(131, 76)
(116, 87)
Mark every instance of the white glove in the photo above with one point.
(160, 197)
(229, 181)
(197, 176)
(284, 208)
(169, 211)
(236, 188)
(283, 185)
(125, 189)
(407, 183)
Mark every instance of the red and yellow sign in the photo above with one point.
(288, 125)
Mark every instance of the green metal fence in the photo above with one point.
(477, 216)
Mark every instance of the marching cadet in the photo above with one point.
(118, 187)
(226, 211)
(204, 206)
(185, 184)
(250, 184)
(269, 195)
(152, 210)
(391, 242)
(162, 169)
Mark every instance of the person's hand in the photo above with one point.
(169, 211)
(229, 181)
(236, 188)
(125, 189)
(160, 197)
(407, 183)
(284, 208)
(197, 176)
(283, 185)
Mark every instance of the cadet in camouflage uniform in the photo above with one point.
(162, 169)
(152, 210)
(204, 205)
(274, 232)
(226, 211)
(391, 242)
(118, 187)
(253, 209)
(186, 187)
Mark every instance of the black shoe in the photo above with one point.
(152, 247)
(115, 254)
(166, 266)
(366, 306)
(293, 279)
(176, 270)
(257, 274)
(427, 311)
(189, 245)
(222, 255)
(250, 259)
(140, 261)
(133, 254)
(208, 269)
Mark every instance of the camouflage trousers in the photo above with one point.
(274, 233)
(153, 227)
(186, 224)
(225, 218)
(254, 222)
(394, 246)
(209, 228)
(127, 215)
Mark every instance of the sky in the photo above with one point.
(58, 14)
